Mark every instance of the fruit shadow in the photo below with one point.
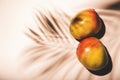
(101, 33)
(107, 69)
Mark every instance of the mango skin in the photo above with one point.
(84, 24)
(92, 54)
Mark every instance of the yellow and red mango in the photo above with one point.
(92, 54)
(84, 24)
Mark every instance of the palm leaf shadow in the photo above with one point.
(55, 47)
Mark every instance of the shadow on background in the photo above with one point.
(107, 69)
(101, 33)
(115, 6)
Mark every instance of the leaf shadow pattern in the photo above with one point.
(53, 56)
(54, 46)
(115, 6)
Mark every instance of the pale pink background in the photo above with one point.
(16, 16)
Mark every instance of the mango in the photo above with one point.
(92, 54)
(86, 23)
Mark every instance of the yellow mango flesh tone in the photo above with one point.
(92, 54)
(84, 24)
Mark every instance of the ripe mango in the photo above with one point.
(92, 54)
(86, 23)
